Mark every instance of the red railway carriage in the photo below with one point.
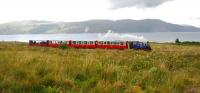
(57, 43)
(38, 43)
(112, 45)
(92, 44)
(83, 44)
(48, 43)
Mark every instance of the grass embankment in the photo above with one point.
(167, 69)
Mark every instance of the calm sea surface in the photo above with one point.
(153, 37)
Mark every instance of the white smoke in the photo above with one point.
(111, 36)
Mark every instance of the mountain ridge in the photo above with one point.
(93, 26)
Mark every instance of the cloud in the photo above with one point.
(198, 18)
(136, 3)
(194, 18)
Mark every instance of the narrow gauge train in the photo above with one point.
(92, 44)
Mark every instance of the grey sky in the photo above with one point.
(137, 3)
(172, 11)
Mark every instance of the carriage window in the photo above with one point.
(91, 42)
(42, 42)
(101, 42)
(50, 42)
(112, 43)
(115, 43)
(85, 42)
(59, 42)
(54, 42)
(121, 43)
(66, 42)
(74, 42)
(108, 42)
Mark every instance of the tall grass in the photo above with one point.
(167, 68)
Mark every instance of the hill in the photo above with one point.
(93, 26)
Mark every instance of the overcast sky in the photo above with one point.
(184, 12)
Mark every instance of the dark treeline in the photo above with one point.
(177, 41)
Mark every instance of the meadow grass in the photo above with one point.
(168, 68)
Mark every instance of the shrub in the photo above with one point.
(63, 47)
(177, 41)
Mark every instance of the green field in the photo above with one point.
(168, 68)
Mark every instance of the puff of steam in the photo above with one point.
(111, 36)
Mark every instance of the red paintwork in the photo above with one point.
(54, 45)
(90, 46)
(95, 44)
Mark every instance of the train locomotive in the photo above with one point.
(92, 44)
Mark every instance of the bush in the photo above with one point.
(177, 41)
(63, 47)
